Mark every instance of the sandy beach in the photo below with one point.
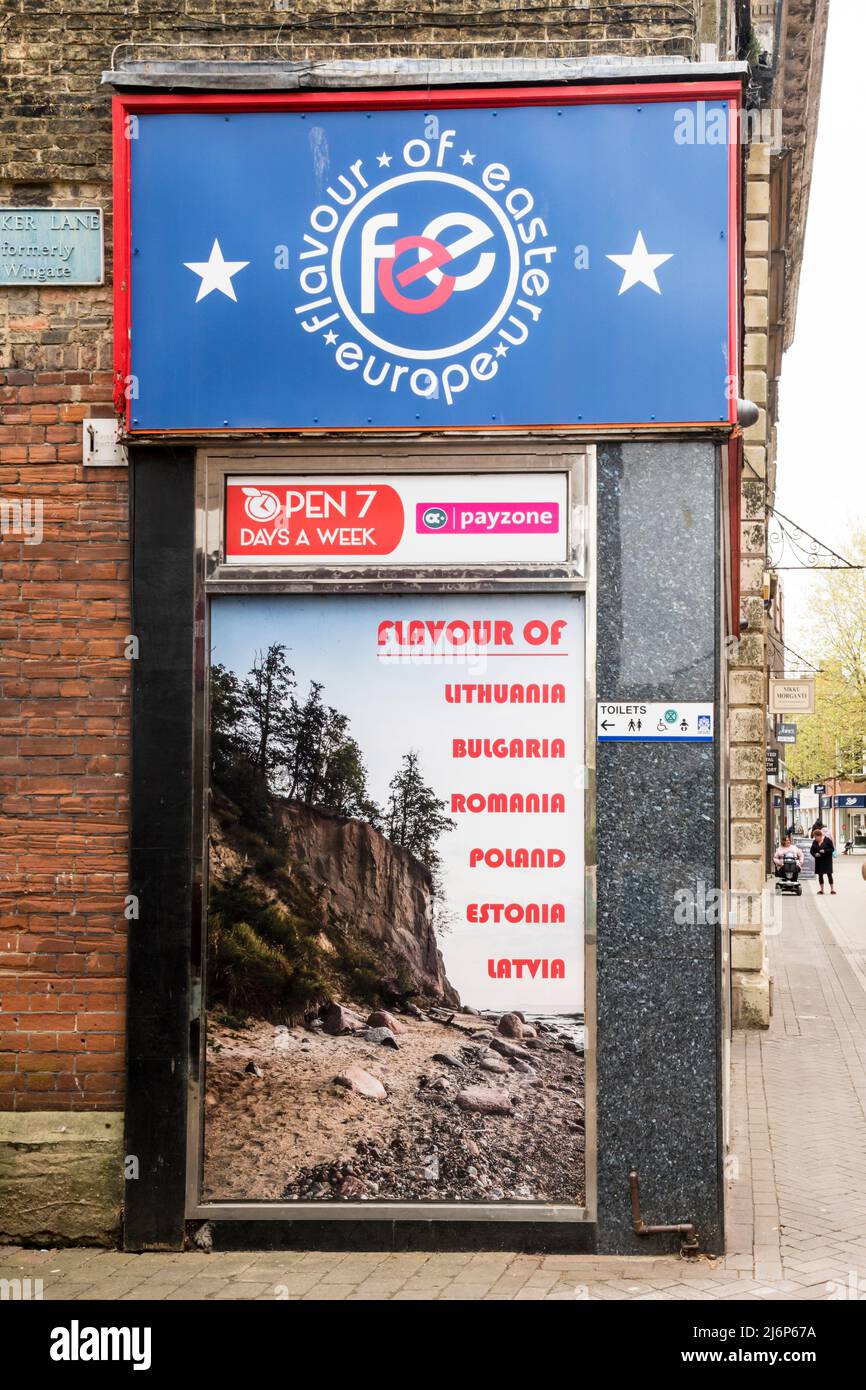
(285, 1129)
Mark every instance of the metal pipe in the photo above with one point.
(686, 1229)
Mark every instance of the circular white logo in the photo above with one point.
(390, 263)
(419, 279)
(259, 504)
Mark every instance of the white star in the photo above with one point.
(216, 273)
(468, 158)
(384, 160)
(640, 266)
(330, 337)
(501, 350)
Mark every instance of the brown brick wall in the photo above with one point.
(64, 682)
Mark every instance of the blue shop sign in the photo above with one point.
(848, 803)
(489, 266)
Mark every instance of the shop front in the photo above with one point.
(851, 815)
(428, 399)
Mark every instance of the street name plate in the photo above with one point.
(51, 246)
(636, 721)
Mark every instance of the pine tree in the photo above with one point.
(227, 717)
(415, 817)
(266, 695)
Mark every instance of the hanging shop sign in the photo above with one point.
(425, 519)
(659, 722)
(786, 733)
(417, 817)
(354, 261)
(792, 696)
(51, 246)
(772, 764)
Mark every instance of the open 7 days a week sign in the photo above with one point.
(486, 259)
(421, 519)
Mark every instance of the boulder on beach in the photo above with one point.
(509, 1049)
(351, 1188)
(493, 1064)
(447, 1060)
(485, 1100)
(362, 1083)
(511, 1026)
(383, 1036)
(337, 1019)
(381, 1018)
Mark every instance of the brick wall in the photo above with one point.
(64, 682)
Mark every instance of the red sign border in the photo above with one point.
(127, 104)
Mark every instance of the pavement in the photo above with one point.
(796, 1206)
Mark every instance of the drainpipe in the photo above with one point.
(687, 1230)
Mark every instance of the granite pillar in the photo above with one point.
(658, 806)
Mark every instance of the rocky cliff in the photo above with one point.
(310, 906)
(373, 888)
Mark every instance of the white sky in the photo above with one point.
(820, 433)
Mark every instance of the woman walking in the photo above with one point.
(822, 850)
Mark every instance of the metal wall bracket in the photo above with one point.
(101, 444)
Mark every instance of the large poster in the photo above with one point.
(395, 907)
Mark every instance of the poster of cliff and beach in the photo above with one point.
(394, 959)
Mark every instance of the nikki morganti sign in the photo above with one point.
(531, 258)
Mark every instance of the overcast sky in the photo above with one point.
(820, 442)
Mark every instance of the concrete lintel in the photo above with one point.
(264, 75)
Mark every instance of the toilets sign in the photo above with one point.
(637, 721)
(286, 264)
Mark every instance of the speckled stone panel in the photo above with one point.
(658, 809)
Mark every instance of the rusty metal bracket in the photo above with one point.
(687, 1230)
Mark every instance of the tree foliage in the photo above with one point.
(415, 817)
(832, 741)
(266, 741)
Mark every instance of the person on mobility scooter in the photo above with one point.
(788, 860)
